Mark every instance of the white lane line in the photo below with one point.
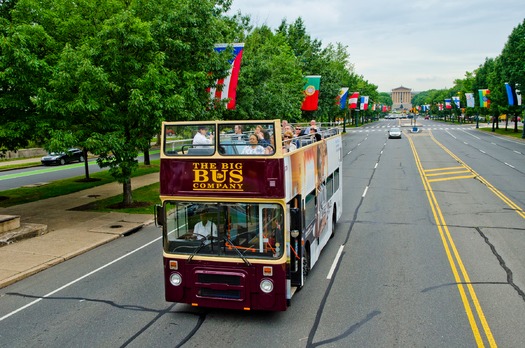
(364, 193)
(334, 264)
(77, 280)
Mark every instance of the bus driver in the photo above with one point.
(204, 228)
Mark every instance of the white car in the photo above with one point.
(394, 133)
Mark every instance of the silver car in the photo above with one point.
(394, 133)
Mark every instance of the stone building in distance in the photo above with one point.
(401, 99)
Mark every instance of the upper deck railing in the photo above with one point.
(234, 138)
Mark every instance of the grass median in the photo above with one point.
(144, 197)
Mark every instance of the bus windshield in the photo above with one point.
(244, 230)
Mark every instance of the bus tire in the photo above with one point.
(306, 262)
(334, 217)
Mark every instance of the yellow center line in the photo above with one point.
(453, 258)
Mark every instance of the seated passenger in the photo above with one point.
(254, 148)
(200, 137)
(316, 136)
(288, 145)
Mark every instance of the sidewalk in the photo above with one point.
(69, 232)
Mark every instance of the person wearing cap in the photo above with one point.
(204, 228)
(200, 137)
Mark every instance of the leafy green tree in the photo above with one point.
(271, 81)
(512, 61)
(110, 90)
(25, 66)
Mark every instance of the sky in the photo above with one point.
(418, 44)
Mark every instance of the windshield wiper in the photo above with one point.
(238, 252)
(203, 243)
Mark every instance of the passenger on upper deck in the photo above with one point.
(262, 136)
(254, 148)
(200, 137)
(316, 135)
(238, 131)
(313, 124)
(288, 145)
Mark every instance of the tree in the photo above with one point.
(25, 65)
(512, 61)
(270, 81)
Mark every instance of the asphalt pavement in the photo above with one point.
(67, 232)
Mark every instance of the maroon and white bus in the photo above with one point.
(243, 218)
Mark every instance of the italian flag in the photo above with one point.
(311, 93)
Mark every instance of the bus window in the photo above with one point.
(309, 208)
(191, 140)
(224, 229)
(234, 139)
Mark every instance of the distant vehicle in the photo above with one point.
(394, 133)
(427, 117)
(61, 158)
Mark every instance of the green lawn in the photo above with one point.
(509, 132)
(144, 197)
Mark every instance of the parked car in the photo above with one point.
(394, 133)
(71, 155)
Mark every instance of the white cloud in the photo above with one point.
(420, 44)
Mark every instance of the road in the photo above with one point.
(432, 240)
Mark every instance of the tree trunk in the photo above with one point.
(127, 193)
(146, 157)
(86, 166)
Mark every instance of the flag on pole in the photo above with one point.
(518, 97)
(440, 106)
(352, 102)
(484, 100)
(343, 96)
(456, 101)
(470, 100)
(311, 93)
(364, 103)
(511, 94)
(227, 87)
(448, 105)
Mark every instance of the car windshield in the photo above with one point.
(394, 129)
(241, 230)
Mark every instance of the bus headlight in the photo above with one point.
(175, 279)
(266, 286)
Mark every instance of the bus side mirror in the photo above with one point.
(159, 215)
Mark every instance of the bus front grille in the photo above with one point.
(220, 284)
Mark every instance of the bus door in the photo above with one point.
(296, 243)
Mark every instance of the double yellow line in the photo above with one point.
(458, 269)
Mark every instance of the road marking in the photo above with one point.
(454, 258)
(78, 279)
(510, 165)
(334, 264)
(364, 193)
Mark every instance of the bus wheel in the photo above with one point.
(306, 263)
(334, 215)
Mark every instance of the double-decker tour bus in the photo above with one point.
(244, 213)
